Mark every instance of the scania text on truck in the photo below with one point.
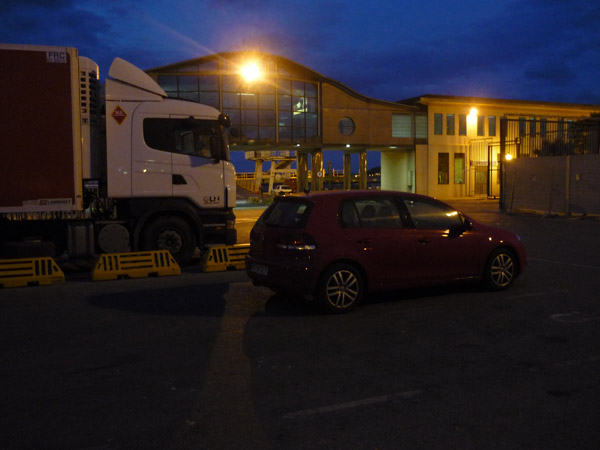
(82, 173)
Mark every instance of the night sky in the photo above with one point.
(546, 50)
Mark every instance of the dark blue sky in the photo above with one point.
(547, 50)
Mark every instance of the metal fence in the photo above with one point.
(532, 138)
(567, 183)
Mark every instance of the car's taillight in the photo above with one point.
(301, 242)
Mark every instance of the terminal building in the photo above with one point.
(442, 146)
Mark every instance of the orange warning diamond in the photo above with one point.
(119, 115)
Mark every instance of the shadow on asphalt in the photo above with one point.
(294, 305)
(185, 301)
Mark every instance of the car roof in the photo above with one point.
(364, 193)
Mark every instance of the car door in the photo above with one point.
(382, 245)
(447, 248)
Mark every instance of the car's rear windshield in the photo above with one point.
(290, 213)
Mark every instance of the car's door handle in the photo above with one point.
(366, 244)
(424, 240)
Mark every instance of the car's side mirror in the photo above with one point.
(468, 225)
(456, 230)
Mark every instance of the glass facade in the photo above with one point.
(280, 109)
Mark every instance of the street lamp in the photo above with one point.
(251, 71)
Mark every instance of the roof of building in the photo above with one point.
(494, 101)
(291, 66)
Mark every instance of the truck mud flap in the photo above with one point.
(112, 266)
(21, 272)
(218, 258)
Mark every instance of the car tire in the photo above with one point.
(170, 233)
(501, 269)
(340, 288)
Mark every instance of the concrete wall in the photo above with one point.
(553, 185)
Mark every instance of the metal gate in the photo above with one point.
(484, 168)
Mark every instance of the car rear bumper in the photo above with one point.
(285, 276)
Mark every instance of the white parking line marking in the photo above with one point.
(350, 405)
(539, 294)
(574, 317)
(549, 261)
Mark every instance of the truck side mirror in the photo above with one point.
(225, 120)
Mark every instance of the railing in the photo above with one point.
(532, 138)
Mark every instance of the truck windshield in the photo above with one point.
(194, 137)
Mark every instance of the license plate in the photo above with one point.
(259, 269)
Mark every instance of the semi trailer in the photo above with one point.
(88, 169)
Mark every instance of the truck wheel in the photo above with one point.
(170, 233)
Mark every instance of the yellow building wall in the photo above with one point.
(372, 120)
(453, 144)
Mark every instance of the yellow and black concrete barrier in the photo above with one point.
(224, 257)
(112, 266)
(20, 272)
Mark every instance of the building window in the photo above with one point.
(560, 128)
(459, 168)
(169, 84)
(480, 125)
(443, 168)
(450, 124)
(570, 132)
(346, 126)
(532, 126)
(522, 126)
(421, 126)
(462, 124)
(401, 125)
(438, 123)
(282, 109)
(492, 125)
(543, 127)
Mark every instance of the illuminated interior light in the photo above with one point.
(508, 157)
(347, 145)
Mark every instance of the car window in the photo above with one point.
(432, 215)
(370, 213)
(286, 214)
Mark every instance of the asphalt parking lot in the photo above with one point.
(206, 360)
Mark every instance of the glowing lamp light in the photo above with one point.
(472, 117)
(508, 157)
(251, 71)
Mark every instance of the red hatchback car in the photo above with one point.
(339, 245)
